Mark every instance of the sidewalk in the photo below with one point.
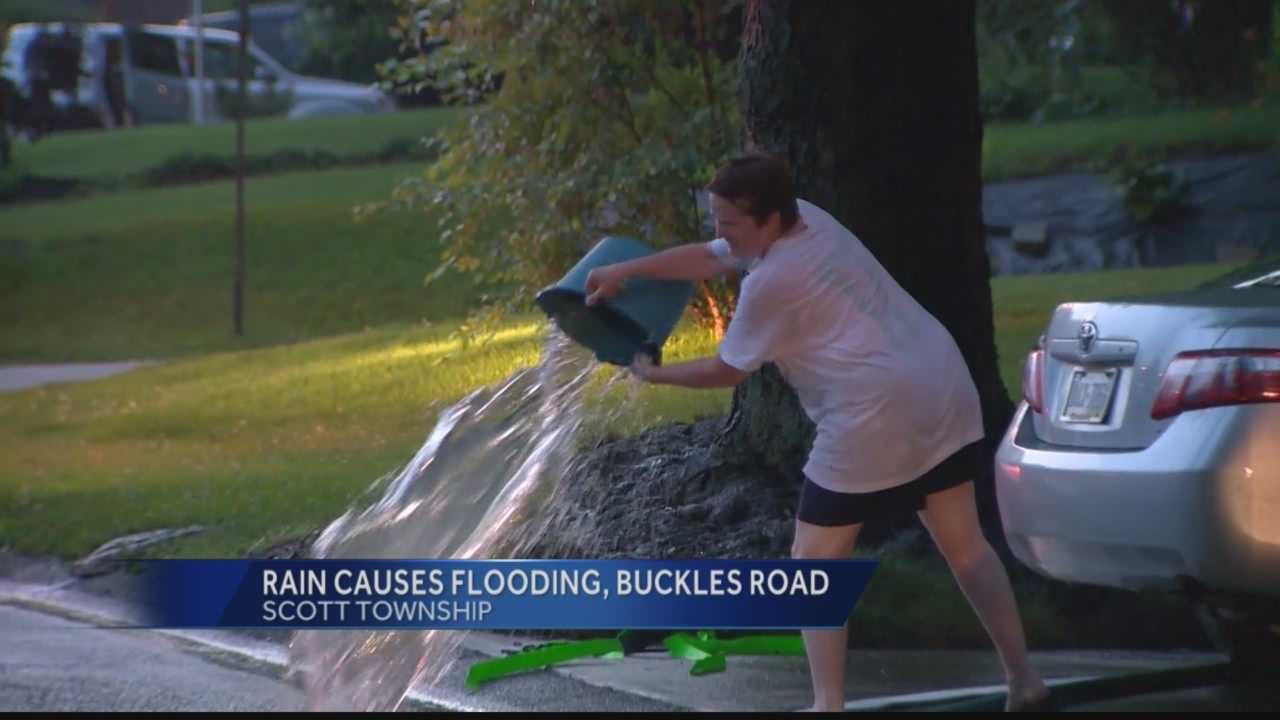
(22, 377)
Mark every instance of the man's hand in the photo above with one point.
(604, 282)
(708, 372)
(642, 366)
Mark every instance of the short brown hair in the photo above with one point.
(758, 184)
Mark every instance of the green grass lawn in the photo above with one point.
(257, 443)
(159, 285)
(1021, 150)
(108, 156)
(1009, 150)
(149, 273)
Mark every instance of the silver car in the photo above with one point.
(148, 74)
(1146, 450)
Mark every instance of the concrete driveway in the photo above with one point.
(23, 377)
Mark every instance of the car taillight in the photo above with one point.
(1212, 378)
(1033, 380)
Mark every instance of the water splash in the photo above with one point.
(478, 488)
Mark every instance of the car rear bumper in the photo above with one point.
(1201, 503)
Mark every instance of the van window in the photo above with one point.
(221, 60)
(154, 53)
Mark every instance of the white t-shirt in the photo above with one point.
(881, 378)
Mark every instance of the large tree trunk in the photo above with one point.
(876, 106)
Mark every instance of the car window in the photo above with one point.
(154, 53)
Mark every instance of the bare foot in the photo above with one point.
(1027, 698)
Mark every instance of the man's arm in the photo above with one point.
(693, 262)
(708, 372)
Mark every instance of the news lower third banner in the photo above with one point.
(504, 594)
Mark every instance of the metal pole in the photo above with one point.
(243, 72)
(126, 78)
(197, 10)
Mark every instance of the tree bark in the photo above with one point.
(876, 107)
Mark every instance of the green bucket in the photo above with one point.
(638, 319)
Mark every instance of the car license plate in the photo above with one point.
(1089, 397)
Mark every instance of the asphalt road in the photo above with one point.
(50, 664)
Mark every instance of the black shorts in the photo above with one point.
(820, 506)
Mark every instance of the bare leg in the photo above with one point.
(826, 649)
(952, 519)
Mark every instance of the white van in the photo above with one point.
(146, 74)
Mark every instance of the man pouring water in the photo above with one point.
(899, 425)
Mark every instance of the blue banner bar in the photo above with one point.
(505, 594)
